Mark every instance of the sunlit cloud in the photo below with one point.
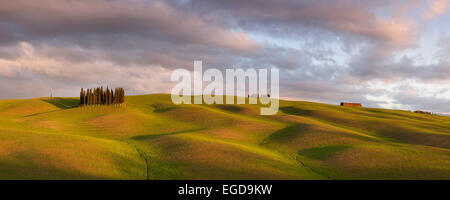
(436, 8)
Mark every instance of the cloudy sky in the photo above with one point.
(384, 53)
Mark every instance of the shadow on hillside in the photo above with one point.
(63, 103)
(230, 108)
(286, 133)
(320, 153)
(147, 137)
(23, 166)
(295, 111)
(162, 107)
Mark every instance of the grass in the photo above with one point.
(321, 153)
(150, 138)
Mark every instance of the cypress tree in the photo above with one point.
(89, 97)
(107, 96)
(111, 96)
(122, 100)
(99, 96)
(120, 95)
(85, 97)
(102, 95)
(115, 96)
(91, 100)
(81, 96)
(93, 96)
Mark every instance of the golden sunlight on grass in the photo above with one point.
(150, 138)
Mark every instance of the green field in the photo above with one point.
(150, 138)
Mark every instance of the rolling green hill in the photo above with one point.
(150, 138)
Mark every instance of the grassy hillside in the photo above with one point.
(150, 138)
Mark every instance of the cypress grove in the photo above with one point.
(98, 96)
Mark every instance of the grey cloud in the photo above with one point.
(342, 17)
(424, 103)
(135, 44)
(366, 66)
(50, 19)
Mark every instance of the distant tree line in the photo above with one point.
(98, 96)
